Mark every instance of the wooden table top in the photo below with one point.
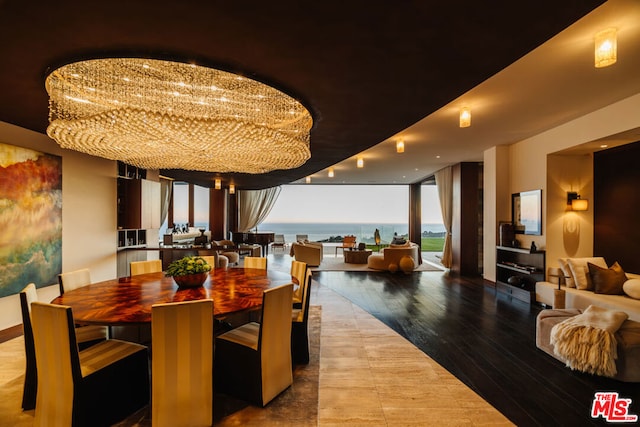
(118, 302)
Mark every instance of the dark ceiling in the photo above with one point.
(365, 70)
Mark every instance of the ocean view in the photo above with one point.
(322, 231)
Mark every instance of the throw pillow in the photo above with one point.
(632, 288)
(580, 271)
(403, 245)
(406, 264)
(607, 280)
(566, 272)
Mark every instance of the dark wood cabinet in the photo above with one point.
(518, 270)
(138, 204)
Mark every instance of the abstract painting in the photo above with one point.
(30, 218)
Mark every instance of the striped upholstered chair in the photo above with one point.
(257, 262)
(299, 272)
(253, 361)
(74, 280)
(143, 267)
(300, 324)
(85, 336)
(98, 386)
(182, 390)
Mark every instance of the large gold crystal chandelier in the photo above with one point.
(157, 114)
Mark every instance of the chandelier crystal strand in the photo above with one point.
(157, 114)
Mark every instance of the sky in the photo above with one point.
(352, 203)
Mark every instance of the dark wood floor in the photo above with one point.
(485, 339)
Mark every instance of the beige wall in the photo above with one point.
(88, 214)
(533, 165)
(568, 233)
(496, 209)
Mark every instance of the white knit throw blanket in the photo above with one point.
(586, 342)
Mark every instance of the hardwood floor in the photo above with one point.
(485, 339)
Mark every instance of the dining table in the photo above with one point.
(128, 300)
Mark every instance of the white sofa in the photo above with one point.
(189, 236)
(583, 298)
(392, 255)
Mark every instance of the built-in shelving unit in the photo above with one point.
(132, 239)
(138, 208)
(518, 270)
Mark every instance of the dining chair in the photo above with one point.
(78, 278)
(85, 336)
(216, 260)
(74, 279)
(138, 333)
(299, 272)
(348, 242)
(300, 325)
(253, 361)
(98, 386)
(255, 262)
(182, 364)
(148, 266)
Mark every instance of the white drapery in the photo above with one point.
(254, 206)
(166, 185)
(444, 183)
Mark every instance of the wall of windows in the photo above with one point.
(326, 211)
(181, 203)
(433, 231)
(200, 207)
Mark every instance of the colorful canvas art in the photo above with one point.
(30, 218)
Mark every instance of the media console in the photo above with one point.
(518, 270)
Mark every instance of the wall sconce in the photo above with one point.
(400, 146)
(331, 173)
(217, 184)
(359, 162)
(465, 117)
(232, 189)
(606, 48)
(576, 203)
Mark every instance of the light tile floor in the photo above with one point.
(370, 375)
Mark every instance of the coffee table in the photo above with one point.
(356, 256)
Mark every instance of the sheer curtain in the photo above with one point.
(166, 185)
(444, 182)
(254, 206)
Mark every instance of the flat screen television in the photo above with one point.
(526, 212)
